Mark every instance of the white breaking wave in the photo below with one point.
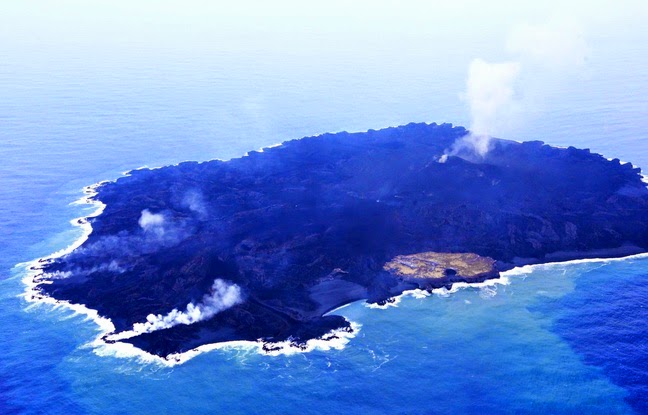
(488, 287)
(221, 297)
(107, 344)
(333, 340)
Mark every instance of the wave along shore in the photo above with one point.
(336, 339)
(103, 345)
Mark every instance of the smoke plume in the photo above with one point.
(156, 231)
(195, 202)
(222, 296)
(152, 222)
(539, 52)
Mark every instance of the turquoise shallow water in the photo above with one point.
(83, 103)
(509, 348)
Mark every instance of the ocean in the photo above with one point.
(88, 93)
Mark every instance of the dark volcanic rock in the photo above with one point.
(308, 226)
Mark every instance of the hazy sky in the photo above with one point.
(160, 23)
(290, 68)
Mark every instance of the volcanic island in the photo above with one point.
(262, 247)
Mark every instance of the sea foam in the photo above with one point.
(336, 339)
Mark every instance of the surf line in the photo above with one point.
(335, 339)
(103, 346)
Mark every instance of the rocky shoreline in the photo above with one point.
(308, 226)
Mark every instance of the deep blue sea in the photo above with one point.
(87, 93)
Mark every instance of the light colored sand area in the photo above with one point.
(435, 264)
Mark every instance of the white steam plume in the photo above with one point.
(152, 222)
(489, 92)
(195, 201)
(539, 50)
(222, 296)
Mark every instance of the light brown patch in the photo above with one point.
(434, 265)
